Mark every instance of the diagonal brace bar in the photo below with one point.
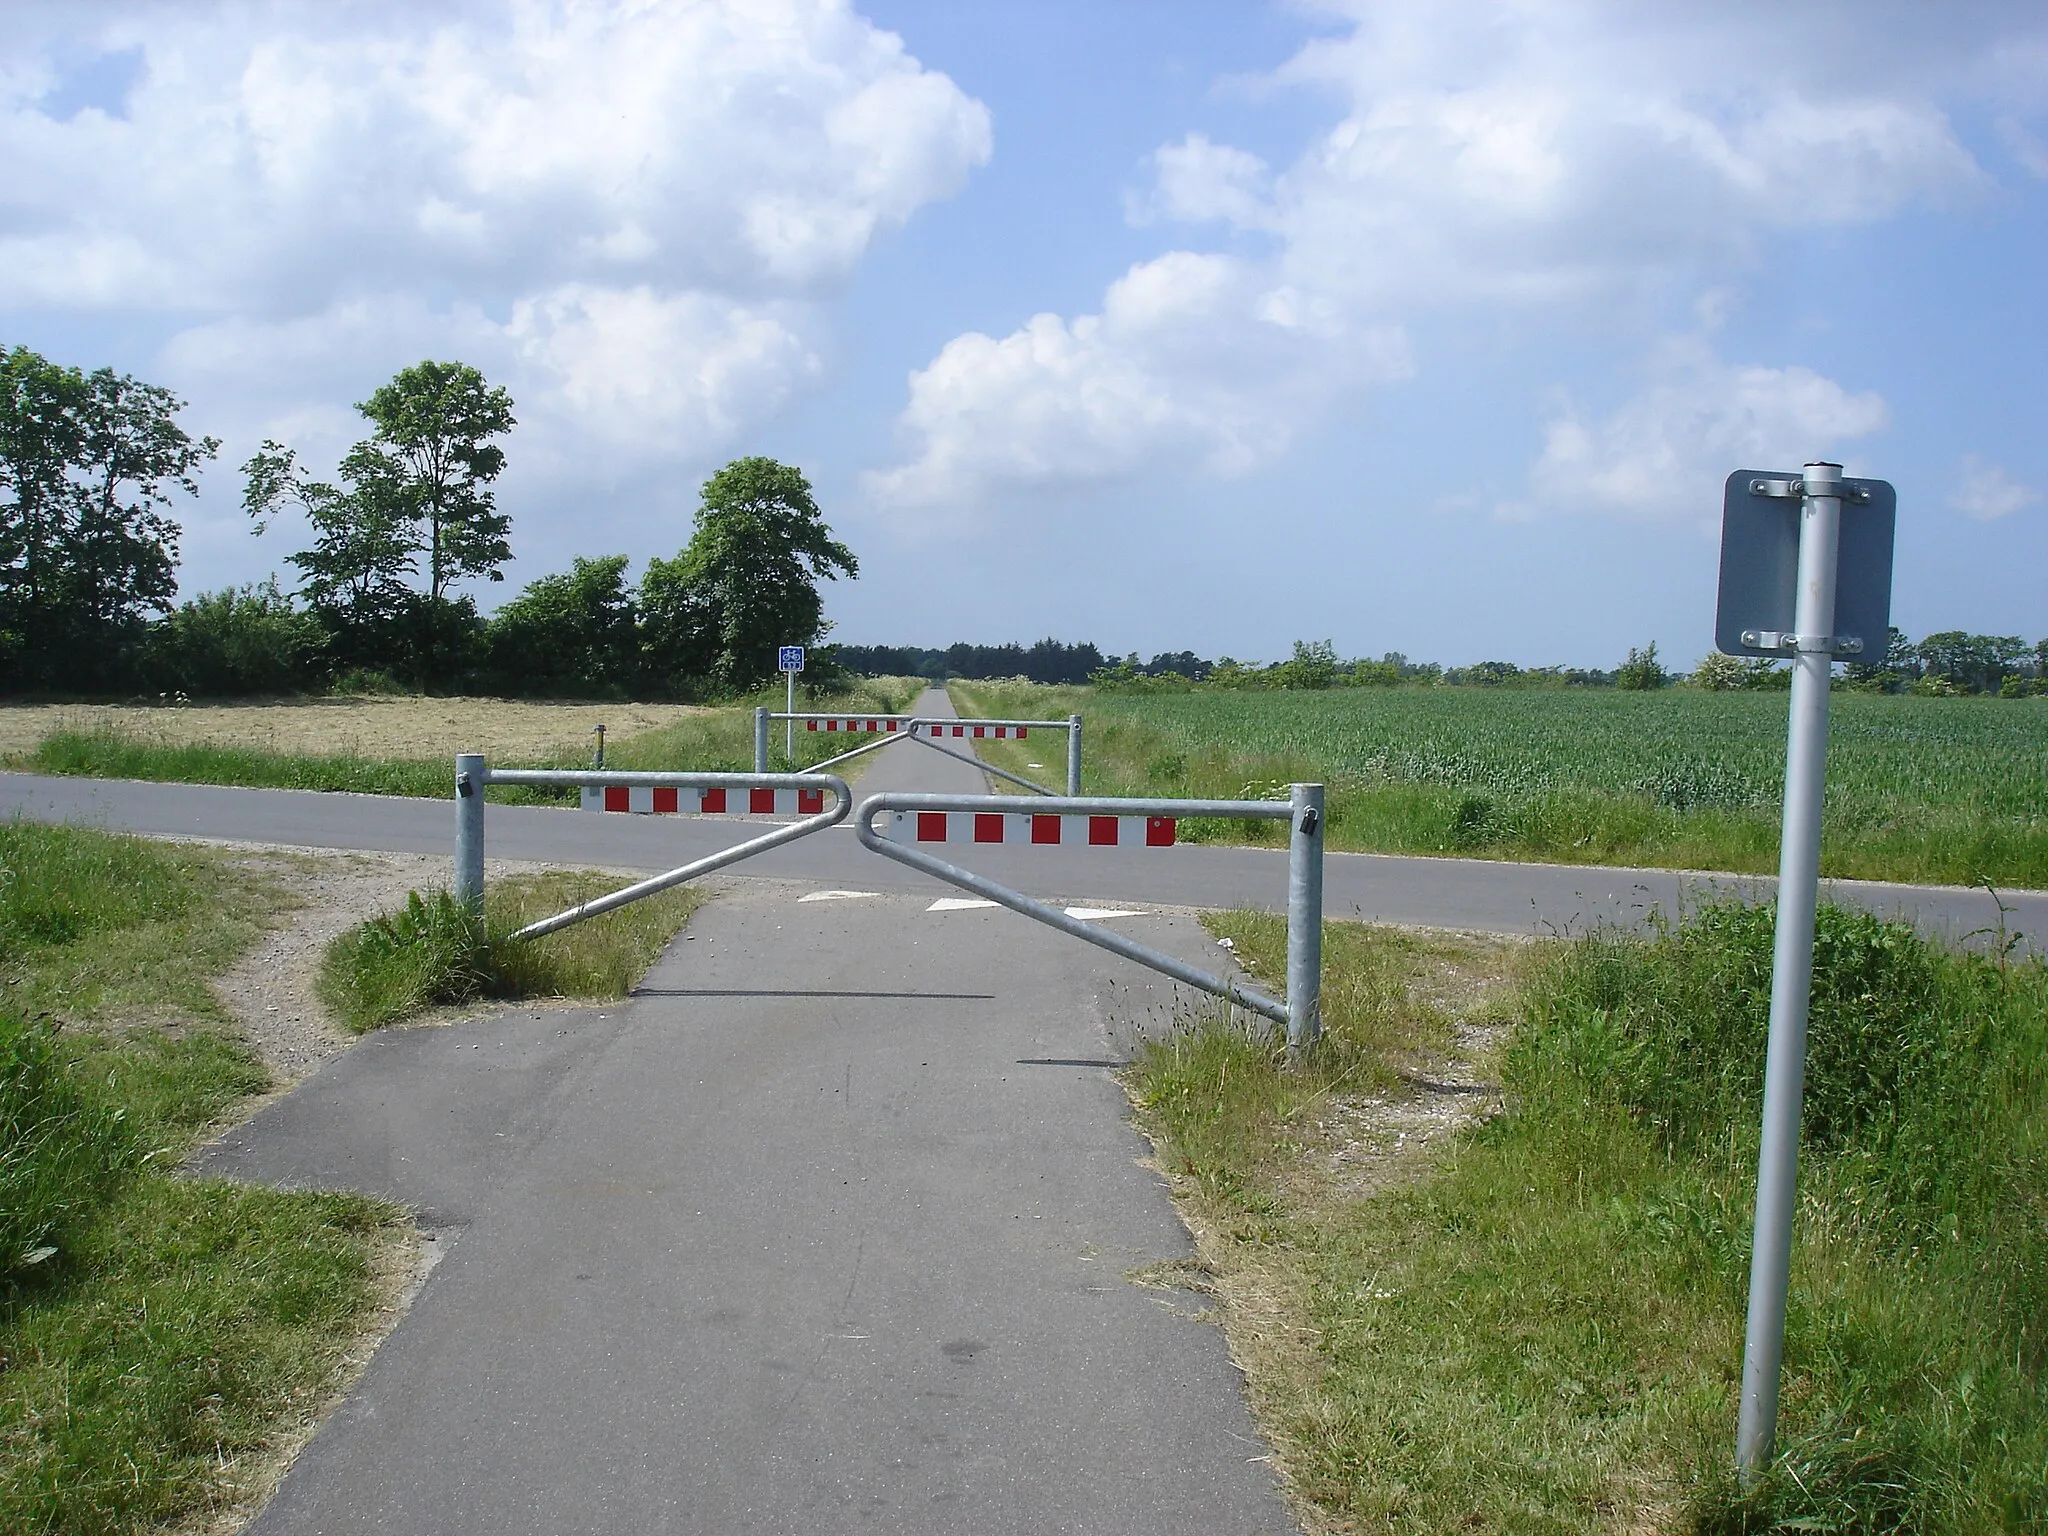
(985, 767)
(1103, 938)
(787, 833)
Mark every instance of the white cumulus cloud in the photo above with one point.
(1666, 450)
(1539, 162)
(629, 212)
(1986, 492)
(1192, 356)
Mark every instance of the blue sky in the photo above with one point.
(1429, 327)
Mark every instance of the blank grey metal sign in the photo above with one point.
(1760, 512)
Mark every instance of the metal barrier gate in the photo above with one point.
(472, 776)
(927, 730)
(1071, 820)
(919, 818)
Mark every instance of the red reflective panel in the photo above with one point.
(713, 803)
(931, 826)
(1045, 829)
(1102, 831)
(988, 826)
(665, 798)
(979, 733)
(810, 725)
(810, 802)
(1023, 731)
(1159, 832)
(761, 802)
(892, 725)
(617, 798)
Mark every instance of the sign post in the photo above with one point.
(789, 660)
(1800, 576)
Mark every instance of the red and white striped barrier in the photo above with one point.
(1043, 830)
(667, 800)
(977, 732)
(879, 726)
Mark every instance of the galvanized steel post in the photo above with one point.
(469, 829)
(1073, 754)
(760, 738)
(1777, 1178)
(1304, 917)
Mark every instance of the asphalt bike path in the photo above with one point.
(1472, 894)
(837, 1224)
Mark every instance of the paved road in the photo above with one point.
(1453, 893)
(828, 1228)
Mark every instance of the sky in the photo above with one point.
(1424, 326)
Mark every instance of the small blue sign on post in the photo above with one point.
(790, 659)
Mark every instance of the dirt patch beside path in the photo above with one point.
(270, 993)
(371, 726)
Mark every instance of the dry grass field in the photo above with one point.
(375, 727)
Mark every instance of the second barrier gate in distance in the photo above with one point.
(928, 730)
(909, 823)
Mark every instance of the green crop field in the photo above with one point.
(1922, 789)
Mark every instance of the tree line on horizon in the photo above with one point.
(90, 463)
(1950, 662)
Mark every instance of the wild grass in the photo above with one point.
(1919, 789)
(1541, 1331)
(713, 741)
(155, 1332)
(433, 951)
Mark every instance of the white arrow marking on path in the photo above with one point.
(835, 896)
(957, 904)
(1086, 914)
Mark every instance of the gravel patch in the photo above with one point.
(270, 993)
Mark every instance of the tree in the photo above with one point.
(414, 501)
(1718, 672)
(747, 582)
(364, 546)
(434, 426)
(1642, 671)
(88, 464)
(572, 633)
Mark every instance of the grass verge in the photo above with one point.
(432, 951)
(713, 741)
(1535, 1325)
(157, 1334)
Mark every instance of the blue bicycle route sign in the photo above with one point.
(790, 659)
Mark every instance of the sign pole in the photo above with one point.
(1813, 646)
(789, 660)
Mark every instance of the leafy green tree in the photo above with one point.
(433, 447)
(1718, 672)
(1642, 671)
(414, 504)
(364, 544)
(571, 634)
(1313, 665)
(88, 465)
(746, 583)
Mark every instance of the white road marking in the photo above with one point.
(835, 896)
(957, 904)
(1087, 914)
